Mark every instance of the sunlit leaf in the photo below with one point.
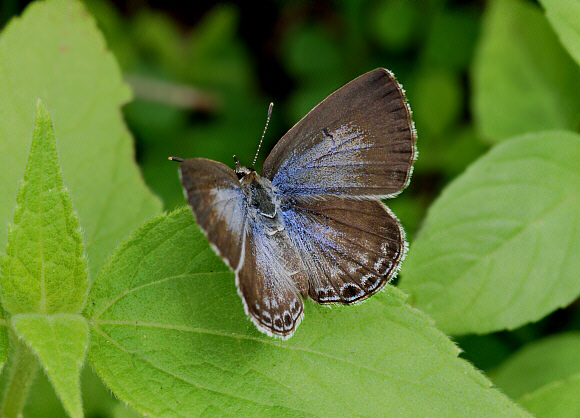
(44, 270)
(55, 52)
(60, 342)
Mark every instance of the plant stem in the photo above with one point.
(23, 370)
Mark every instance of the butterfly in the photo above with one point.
(312, 225)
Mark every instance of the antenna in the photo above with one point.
(265, 127)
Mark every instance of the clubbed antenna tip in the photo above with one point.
(264, 134)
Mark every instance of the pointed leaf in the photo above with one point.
(538, 364)
(524, 81)
(499, 247)
(564, 15)
(44, 270)
(60, 342)
(557, 399)
(55, 52)
(170, 337)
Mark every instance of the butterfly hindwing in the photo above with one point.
(269, 280)
(350, 250)
(359, 143)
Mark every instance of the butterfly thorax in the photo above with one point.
(261, 199)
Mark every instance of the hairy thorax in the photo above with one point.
(263, 203)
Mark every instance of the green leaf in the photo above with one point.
(55, 52)
(60, 342)
(558, 399)
(498, 248)
(551, 359)
(524, 80)
(98, 401)
(16, 381)
(169, 336)
(44, 269)
(564, 15)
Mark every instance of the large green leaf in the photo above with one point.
(170, 338)
(55, 52)
(499, 247)
(564, 15)
(44, 270)
(60, 342)
(524, 81)
(538, 364)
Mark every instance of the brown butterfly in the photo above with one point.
(313, 225)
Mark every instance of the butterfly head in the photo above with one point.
(245, 174)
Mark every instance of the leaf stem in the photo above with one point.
(23, 370)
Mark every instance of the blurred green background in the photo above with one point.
(203, 74)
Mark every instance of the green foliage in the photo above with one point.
(393, 23)
(54, 52)
(564, 15)
(497, 247)
(558, 399)
(157, 312)
(60, 342)
(524, 81)
(549, 360)
(44, 276)
(45, 269)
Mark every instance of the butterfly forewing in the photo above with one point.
(358, 143)
(350, 250)
(219, 204)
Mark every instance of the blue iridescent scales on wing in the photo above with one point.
(313, 225)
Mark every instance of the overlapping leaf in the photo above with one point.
(564, 15)
(44, 270)
(524, 81)
(60, 342)
(44, 276)
(549, 360)
(55, 52)
(558, 399)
